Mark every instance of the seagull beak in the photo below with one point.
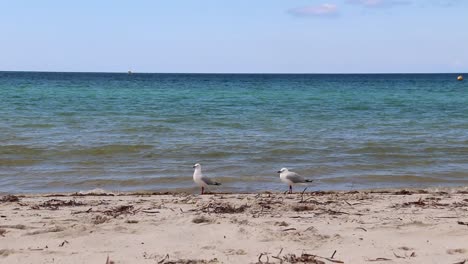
(193, 167)
(278, 171)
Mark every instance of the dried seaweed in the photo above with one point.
(430, 202)
(166, 260)
(120, 210)
(224, 208)
(403, 192)
(99, 219)
(301, 208)
(292, 258)
(9, 198)
(303, 258)
(54, 204)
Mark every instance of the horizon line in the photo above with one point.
(232, 73)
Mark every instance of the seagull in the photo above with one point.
(201, 180)
(291, 178)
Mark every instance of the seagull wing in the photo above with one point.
(294, 177)
(209, 181)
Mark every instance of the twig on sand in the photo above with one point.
(164, 259)
(278, 256)
(108, 261)
(302, 195)
(279, 253)
(462, 223)
(333, 254)
(378, 259)
(260, 258)
(150, 211)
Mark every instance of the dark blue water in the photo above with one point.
(80, 131)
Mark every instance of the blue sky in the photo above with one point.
(265, 36)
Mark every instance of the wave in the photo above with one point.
(113, 149)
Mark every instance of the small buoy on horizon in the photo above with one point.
(130, 72)
(460, 78)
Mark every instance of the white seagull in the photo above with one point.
(292, 178)
(201, 180)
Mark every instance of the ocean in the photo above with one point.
(66, 132)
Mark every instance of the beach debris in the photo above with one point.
(282, 223)
(462, 262)
(430, 202)
(120, 210)
(5, 252)
(162, 260)
(63, 243)
(54, 204)
(456, 251)
(260, 258)
(108, 261)
(166, 260)
(378, 259)
(462, 223)
(201, 219)
(301, 208)
(403, 192)
(293, 258)
(224, 208)
(303, 258)
(150, 211)
(21, 227)
(100, 219)
(80, 212)
(131, 221)
(2, 232)
(398, 256)
(9, 198)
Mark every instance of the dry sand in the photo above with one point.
(393, 226)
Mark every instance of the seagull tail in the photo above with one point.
(216, 183)
(309, 180)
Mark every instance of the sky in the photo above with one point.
(235, 36)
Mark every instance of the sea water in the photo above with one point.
(125, 132)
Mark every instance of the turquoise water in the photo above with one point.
(80, 131)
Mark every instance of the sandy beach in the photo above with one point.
(379, 226)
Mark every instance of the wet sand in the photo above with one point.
(379, 226)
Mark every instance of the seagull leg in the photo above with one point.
(202, 190)
(290, 189)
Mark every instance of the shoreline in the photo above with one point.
(195, 191)
(409, 225)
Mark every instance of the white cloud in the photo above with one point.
(379, 3)
(319, 10)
